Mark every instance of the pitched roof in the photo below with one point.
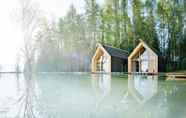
(153, 49)
(116, 52)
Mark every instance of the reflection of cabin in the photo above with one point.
(143, 59)
(109, 59)
(142, 89)
(101, 83)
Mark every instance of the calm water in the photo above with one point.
(90, 96)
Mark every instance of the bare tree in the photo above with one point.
(30, 17)
(17, 64)
(0, 68)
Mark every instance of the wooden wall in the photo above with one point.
(134, 56)
(101, 52)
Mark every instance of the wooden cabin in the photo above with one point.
(143, 59)
(109, 59)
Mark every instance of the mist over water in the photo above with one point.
(90, 96)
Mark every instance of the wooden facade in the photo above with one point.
(109, 59)
(143, 59)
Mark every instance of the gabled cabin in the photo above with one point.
(109, 59)
(144, 60)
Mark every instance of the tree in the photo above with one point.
(66, 40)
(127, 34)
(91, 14)
(17, 64)
(137, 21)
(107, 25)
(150, 26)
(47, 45)
(171, 18)
(1, 68)
(93, 21)
(117, 23)
(117, 19)
(29, 17)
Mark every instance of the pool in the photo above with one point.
(73, 95)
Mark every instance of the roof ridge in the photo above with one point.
(151, 47)
(115, 48)
(115, 52)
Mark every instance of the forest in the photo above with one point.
(68, 43)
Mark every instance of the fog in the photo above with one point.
(11, 40)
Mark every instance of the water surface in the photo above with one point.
(84, 95)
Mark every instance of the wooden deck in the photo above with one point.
(142, 73)
(176, 76)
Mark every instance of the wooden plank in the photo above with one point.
(176, 76)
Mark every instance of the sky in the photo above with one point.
(10, 40)
(10, 32)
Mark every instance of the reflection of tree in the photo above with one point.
(17, 81)
(174, 94)
(26, 100)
